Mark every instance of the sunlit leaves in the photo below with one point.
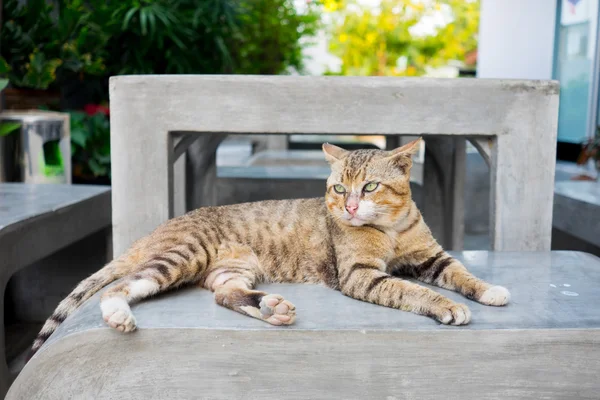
(401, 37)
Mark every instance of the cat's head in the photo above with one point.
(369, 187)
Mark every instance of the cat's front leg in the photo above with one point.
(434, 266)
(367, 281)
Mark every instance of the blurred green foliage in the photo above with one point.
(39, 50)
(271, 35)
(90, 143)
(45, 45)
(73, 46)
(7, 127)
(387, 40)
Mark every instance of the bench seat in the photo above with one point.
(36, 221)
(544, 344)
(577, 210)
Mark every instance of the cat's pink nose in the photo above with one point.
(351, 209)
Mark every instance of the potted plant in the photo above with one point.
(590, 152)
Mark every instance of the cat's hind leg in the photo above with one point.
(232, 279)
(171, 269)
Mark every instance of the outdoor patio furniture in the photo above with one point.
(577, 210)
(512, 123)
(37, 220)
(280, 175)
(544, 344)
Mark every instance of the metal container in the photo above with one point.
(40, 151)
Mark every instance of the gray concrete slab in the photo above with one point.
(545, 344)
(20, 201)
(39, 219)
(577, 210)
(36, 220)
(513, 121)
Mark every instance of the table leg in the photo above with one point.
(444, 188)
(201, 171)
(142, 155)
(4, 374)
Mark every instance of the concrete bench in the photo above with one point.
(577, 210)
(545, 344)
(512, 123)
(36, 220)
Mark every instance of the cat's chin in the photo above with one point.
(353, 221)
(357, 222)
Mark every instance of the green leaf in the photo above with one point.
(41, 72)
(178, 42)
(79, 137)
(8, 127)
(144, 21)
(4, 67)
(128, 17)
(3, 83)
(77, 116)
(152, 19)
(102, 158)
(96, 168)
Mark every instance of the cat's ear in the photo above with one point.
(333, 153)
(402, 156)
(409, 149)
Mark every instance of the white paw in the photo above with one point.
(276, 310)
(457, 314)
(495, 296)
(117, 314)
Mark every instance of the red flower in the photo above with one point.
(93, 109)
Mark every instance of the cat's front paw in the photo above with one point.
(454, 314)
(276, 310)
(117, 314)
(495, 296)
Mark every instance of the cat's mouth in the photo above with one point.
(355, 221)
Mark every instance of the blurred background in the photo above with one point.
(56, 57)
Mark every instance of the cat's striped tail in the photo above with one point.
(84, 290)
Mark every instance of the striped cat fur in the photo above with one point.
(361, 239)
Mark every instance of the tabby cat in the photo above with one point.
(358, 239)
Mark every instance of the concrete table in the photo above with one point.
(37, 220)
(577, 210)
(545, 344)
(512, 123)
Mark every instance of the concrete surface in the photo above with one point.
(36, 220)
(544, 344)
(577, 210)
(33, 292)
(518, 117)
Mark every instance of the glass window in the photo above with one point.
(574, 67)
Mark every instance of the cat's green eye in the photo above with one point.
(339, 189)
(369, 187)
